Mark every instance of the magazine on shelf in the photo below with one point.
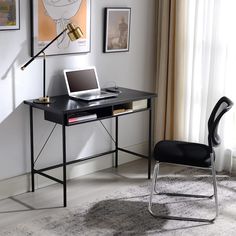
(82, 117)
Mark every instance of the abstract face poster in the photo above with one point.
(51, 17)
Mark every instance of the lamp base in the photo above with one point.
(43, 100)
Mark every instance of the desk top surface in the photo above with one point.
(65, 104)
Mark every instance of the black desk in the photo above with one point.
(65, 108)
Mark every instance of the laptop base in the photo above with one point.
(99, 96)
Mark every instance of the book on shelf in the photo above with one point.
(82, 117)
(121, 111)
(140, 104)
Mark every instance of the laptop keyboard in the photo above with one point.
(91, 96)
(102, 94)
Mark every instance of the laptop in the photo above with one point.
(83, 84)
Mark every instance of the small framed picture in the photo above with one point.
(9, 14)
(117, 29)
(50, 18)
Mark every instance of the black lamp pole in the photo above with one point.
(44, 74)
(45, 99)
(42, 50)
(74, 34)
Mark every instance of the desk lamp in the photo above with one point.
(74, 34)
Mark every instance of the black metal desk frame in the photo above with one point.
(59, 111)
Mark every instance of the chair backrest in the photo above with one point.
(221, 107)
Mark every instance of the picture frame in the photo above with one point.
(47, 23)
(10, 15)
(117, 29)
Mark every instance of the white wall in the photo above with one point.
(133, 69)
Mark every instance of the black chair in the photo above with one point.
(191, 154)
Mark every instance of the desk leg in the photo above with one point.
(64, 165)
(32, 147)
(117, 137)
(150, 140)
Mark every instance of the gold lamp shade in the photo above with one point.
(74, 32)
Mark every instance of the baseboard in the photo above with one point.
(233, 166)
(21, 184)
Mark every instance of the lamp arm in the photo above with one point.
(41, 51)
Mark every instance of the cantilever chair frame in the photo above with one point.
(153, 189)
(213, 141)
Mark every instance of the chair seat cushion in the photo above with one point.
(185, 153)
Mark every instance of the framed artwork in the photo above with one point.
(9, 14)
(117, 29)
(50, 18)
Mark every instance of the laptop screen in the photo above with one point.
(81, 80)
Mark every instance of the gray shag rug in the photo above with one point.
(125, 211)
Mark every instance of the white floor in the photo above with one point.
(84, 189)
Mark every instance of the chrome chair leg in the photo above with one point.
(155, 174)
(153, 189)
(154, 179)
(214, 185)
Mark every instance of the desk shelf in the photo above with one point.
(82, 116)
(99, 113)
